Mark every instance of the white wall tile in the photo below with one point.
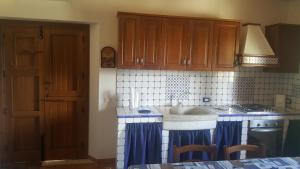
(224, 88)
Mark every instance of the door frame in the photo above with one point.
(2, 103)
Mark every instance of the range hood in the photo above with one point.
(255, 49)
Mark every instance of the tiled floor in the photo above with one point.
(100, 164)
(78, 166)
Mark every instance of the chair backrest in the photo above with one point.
(211, 149)
(259, 150)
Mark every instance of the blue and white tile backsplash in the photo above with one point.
(245, 85)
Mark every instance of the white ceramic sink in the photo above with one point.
(189, 118)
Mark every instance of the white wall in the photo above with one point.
(294, 12)
(102, 15)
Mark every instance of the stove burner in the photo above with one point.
(252, 108)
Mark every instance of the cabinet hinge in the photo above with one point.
(236, 60)
(41, 32)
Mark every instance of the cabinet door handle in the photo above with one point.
(137, 60)
(184, 61)
(142, 60)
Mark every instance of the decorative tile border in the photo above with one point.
(138, 116)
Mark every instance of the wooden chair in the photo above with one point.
(211, 149)
(259, 150)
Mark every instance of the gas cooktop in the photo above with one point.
(253, 108)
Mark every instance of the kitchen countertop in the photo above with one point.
(222, 111)
(227, 111)
(126, 112)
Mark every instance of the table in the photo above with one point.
(263, 163)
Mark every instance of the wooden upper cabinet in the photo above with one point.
(226, 45)
(150, 51)
(199, 47)
(175, 43)
(285, 40)
(128, 41)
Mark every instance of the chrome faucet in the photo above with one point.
(176, 101)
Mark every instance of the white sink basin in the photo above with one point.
(189, 118)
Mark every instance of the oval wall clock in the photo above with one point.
(108, 57)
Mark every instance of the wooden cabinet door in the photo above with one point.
(175, 43)
(150, 42)
(226, 42)
(200, 45)
(289, 53)
(66, 91)
(284, 40)
(128, 42)
(22, 51)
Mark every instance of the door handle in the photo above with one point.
(142, 60)
(265, 130)
(184, 61)
(47, 83)
(137, 60)
(52, 100)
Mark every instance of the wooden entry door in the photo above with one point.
(44, 86)
(22, 51)
(66, 91)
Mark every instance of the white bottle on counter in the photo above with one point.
(137, 98)
(134, 98)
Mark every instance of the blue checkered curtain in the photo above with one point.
(142, 144)
(228, 133)
(182, 138)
